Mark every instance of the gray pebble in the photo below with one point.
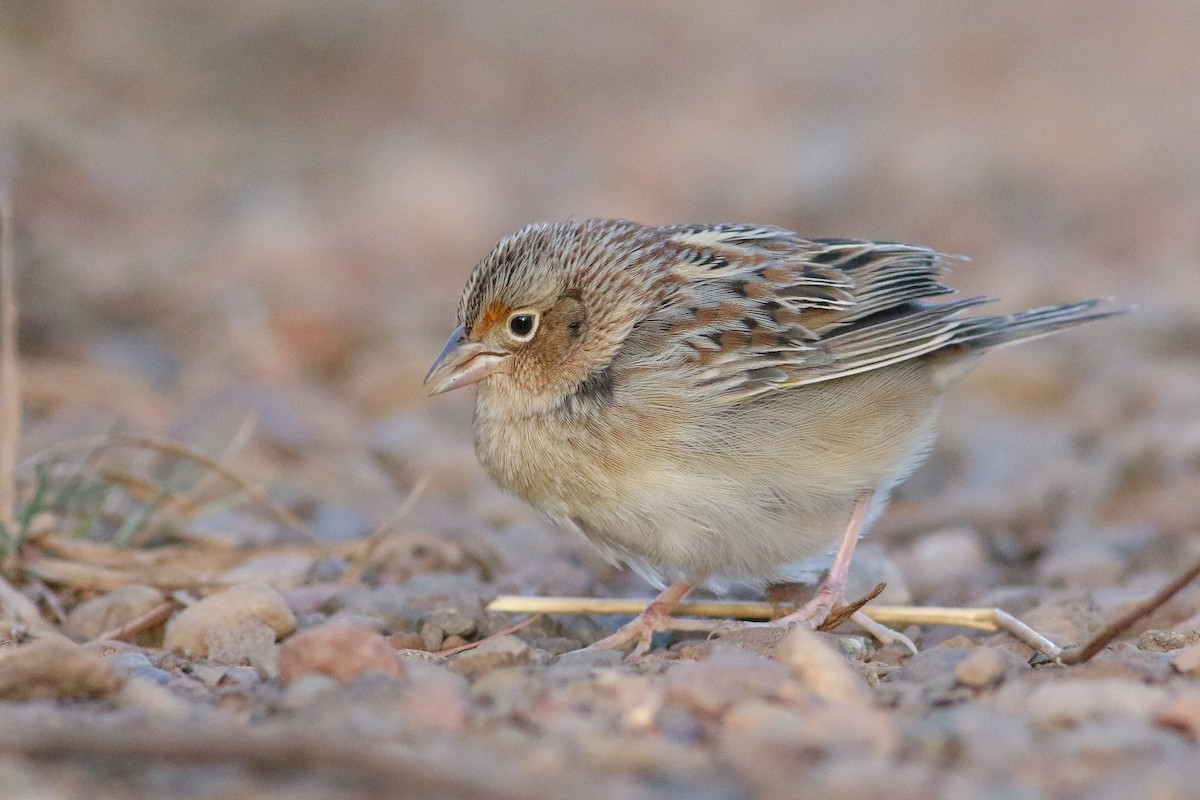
(137, 666)
(495, 653)
(304, 690)
(1164, 641)
(987, 666)
(590, 659)
(453, 622)
(432, 637)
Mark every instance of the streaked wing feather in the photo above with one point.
(760, 309)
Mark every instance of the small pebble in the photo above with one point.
(986, 666)
(341, 650)
(407, 640)
(436, 697)
(760, 640)
(136, 665)
(188, 631)
(692, 649)
(589, 659)
(453, 622)
(451, 642)
(1067, 703)
(1187, 660)
(282, 571)
(419, 655)
(246, 641)
(1164, 641)
(819, 667)
(55, 668)
(770, 737)
(432, 637)
(153, 698)
(405, 606)
(855, 648)
(302, 691)
(327, 569)
(727, 677)
(314, 598)
(556, 645)
(495, 653)
(1125, 660)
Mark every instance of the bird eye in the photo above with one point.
(522, 325)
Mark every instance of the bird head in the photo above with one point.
(547, 308)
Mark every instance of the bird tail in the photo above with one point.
(1004, 329)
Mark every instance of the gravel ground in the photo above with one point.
(244, 229)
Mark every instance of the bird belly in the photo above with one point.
(736, 493)
(666, 515)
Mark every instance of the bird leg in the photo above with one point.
(641, 629)
(829, 594)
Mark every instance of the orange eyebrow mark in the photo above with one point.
(496, 312)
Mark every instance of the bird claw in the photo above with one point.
(640, 630)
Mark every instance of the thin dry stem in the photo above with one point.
(1083, 652)
(10, 378)
(16, 604)
(191, 498)
(992, 620)
(251, 489)
(181, 450)
(143, 622)
(358, 566)
(608, 606)
(505, 632)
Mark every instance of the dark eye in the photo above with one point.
(522, 325)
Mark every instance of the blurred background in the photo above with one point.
(265, 209)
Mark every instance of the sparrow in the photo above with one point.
(714, 401)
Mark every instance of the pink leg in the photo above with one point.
(829, 594)
(642, 627)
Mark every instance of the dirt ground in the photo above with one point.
(241, 230)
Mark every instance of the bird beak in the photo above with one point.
(461, 363)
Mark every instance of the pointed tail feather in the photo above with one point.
(1000, 330)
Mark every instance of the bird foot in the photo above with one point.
(826, 611)
(639, 632)
(814, 613)
(811, 615)
(641, 629)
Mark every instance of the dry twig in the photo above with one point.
(251, 489)
(358, 565)
(462, 648)
(241, 438)
(143, 622)
(181, 450)
(1081, 653)
(992, 620)
(15, 603)
(10, 378)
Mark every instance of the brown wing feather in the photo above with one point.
(760, 308)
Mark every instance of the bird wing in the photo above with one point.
(757, 309)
